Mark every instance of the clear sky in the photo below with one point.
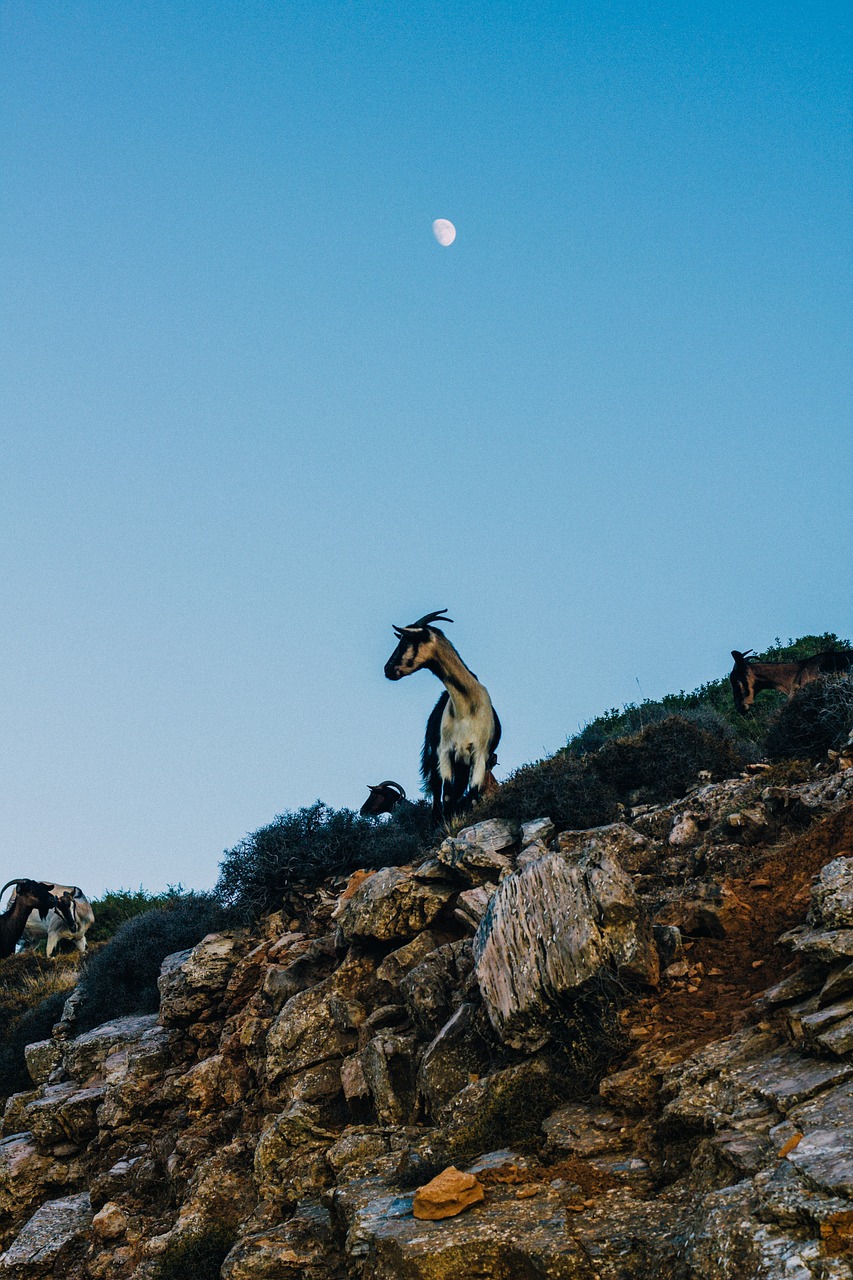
(254, 414)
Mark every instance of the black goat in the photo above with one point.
(30, 895)
(382, 799)
(463, 730)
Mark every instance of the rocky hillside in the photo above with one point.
(632, 1046)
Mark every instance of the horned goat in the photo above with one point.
(69, 921)
(30, 895)
(463, 729)
(749, 678)
(383, 798)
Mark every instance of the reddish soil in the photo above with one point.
(728, 973)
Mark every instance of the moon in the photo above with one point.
(444, 231)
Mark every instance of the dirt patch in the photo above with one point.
(722, 976)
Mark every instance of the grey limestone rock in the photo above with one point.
(552, 928)
(48, 1235)
(832, 894)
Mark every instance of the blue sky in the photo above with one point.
(254, 414)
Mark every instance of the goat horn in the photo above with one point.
(436, 616)
(20, 880)
(389, 783)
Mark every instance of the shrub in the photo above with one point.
(306, 846)
(121, 977)
(816, 720)
(118, 905)
(565, 790)
(663, 760)
(715, 696)
(198, 1255)
(34, 1024)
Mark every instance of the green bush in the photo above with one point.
(198, 1255)
(306, 846)
(121, 977)
(118, 905)
(816, 720)
(715, 696)
(662, 762)
(567, 791)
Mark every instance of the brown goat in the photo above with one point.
(30, 895)
(749, 678)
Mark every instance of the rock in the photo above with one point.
(504, 1106)
(22, 1169)
(458, 1055)
(110, 1221)
(398, 963)
(551, 930)
(631, 850)
(303, 1248)
(825, 945)
(389, 1064)
(839, 982)
(85, 1057)
(42, 1058)
(708, 910)
(685, 831)
(504, 1238)
(281, 1162)
(435, 987)
(304, 1033)
(447, 1194)
(538, 831)
(839, 1038)
(531, 853)
(730, 1243)
(472, 905)
(48, 1237)
(192, 983)
(482, 852)
(832, 895)
(391, 905)
(64, 1113)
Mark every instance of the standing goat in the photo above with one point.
(749, 678)
(463, 730)
(68, 921)
(30, 895)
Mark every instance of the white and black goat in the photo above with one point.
(30, 895)
(463, 730)
(68, 921)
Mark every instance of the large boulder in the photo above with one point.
(191, 982)
(305, 1033)
(551, 930)
(392, 906)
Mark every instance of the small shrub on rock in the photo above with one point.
(121, 978)
(306, 846)
(663, 761)
(816, 720)
(561, 788)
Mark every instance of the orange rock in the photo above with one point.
(448, 1194)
